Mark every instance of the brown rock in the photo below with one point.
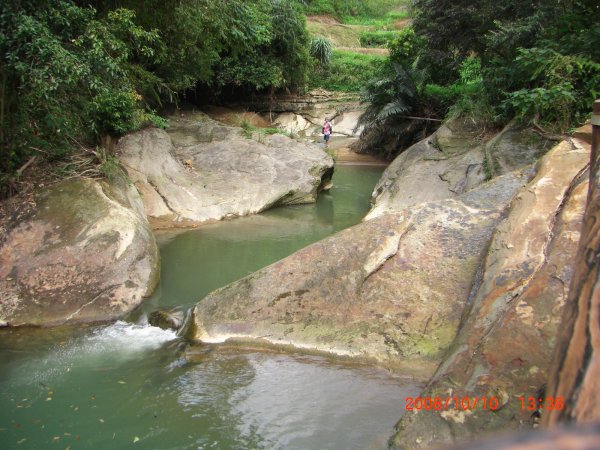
(85, 254)
(504, 347)
(576, 365)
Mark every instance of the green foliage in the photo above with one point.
(70, 72)
(249, 131)
(388, 21)
(221, 44)
(156, 120)
(539, 61)
(348, 71)
(65, 76)
(487, 170)
(109, 166)
(377, 38)
(560, 88)
(391, 99)
(471, 100)
(114, 112)
(405, 46)
(321, 50)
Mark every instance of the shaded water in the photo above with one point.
(126, 385)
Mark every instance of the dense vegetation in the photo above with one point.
(347, 71)
(487, 61)
(72, 71)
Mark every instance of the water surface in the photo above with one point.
(196, 262)
(127, 385)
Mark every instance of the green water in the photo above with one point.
(127, 385)
(196, 262)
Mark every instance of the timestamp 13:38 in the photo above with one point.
(547, 403)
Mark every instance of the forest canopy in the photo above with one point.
(489, 62)
(75, 70)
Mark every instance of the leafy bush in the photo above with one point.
(114, 111)
(405, 46)
(472, 100)
(377, 38)
(65, 76)
(396, 104)
(539, 61)
(559, 89)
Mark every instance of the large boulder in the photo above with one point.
(294, 123)
(85, 253)
(205, 171)
(504, 348)
(455, 159)
(391, 289)
(441, 166)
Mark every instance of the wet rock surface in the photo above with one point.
(86, 253)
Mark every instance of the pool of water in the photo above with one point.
(128, 385)
(196, 262)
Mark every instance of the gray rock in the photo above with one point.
(455, 159)
(445, 165)
(85, 254)
(379, 290)
(175, 319)
(203, 171)
(514, 148)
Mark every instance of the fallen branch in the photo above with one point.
(420, 118)
(26, 165)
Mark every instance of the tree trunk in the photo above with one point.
(575, 368)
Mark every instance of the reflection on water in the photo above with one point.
(126, 385)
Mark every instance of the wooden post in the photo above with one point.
(575, 369)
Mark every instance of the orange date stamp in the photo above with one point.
(480, 403)
(449, 403)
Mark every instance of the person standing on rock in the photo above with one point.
(327, 130)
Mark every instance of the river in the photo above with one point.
(128, 385)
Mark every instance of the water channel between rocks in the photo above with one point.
(126, 385)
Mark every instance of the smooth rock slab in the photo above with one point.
(444, 165)
(504, 348)
(86, 254)
(454, 160)
(204, 171)
(391, 289)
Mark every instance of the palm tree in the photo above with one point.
(392, 102)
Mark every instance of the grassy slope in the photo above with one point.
(352, 64)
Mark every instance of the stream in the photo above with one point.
(131, 385)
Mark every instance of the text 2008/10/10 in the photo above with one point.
(482, 403)
(456, 403)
